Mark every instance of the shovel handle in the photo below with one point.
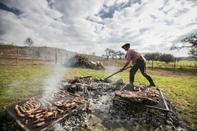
(116, 72)
(112, 74)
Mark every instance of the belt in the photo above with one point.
(139, 58)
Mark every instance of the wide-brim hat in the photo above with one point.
(127, 44)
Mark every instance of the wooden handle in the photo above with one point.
(116, 72)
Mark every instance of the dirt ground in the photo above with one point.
(171, 73)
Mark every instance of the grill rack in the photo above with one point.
(32, 127)
(162, 105)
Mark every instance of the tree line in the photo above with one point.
(109, 53)
(160, 57)
(189, 42)
(113, 54)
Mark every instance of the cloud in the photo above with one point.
(92, 26)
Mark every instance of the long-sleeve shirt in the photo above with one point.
(132, 55)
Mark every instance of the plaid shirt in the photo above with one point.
(132, 55)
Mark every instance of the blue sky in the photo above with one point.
(89, 26)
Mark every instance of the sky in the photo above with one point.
(87, 26)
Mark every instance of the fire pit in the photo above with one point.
(103, 110)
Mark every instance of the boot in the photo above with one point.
(152, 84)
(150, 81)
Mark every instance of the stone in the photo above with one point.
(169, 122)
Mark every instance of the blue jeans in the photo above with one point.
(140, 64)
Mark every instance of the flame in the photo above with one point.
(70, 77)
(85, 82)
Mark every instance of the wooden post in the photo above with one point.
(152, 64)
(33, 53)
(55, 57)
(61, 57)
(174, 64)
(66, 56)
(17, 54)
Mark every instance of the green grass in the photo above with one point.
(19, 83)
(183, 65)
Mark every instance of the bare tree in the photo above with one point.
(29, 42)
(188, 42)
(120, 54)
(108, 53)
(193, 53)
(113, 54)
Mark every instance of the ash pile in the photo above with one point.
(83, 61)
(107, 113)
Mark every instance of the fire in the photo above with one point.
(70, 76)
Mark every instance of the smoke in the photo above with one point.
(52, 83)
(58, 127)
(112, 69)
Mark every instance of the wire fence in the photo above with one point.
(34, 56)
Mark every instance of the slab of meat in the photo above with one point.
(132, 96)
(150, 94)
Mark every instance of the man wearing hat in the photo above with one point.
(138, 62)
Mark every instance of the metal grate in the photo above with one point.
(31, 126)
(161, 105)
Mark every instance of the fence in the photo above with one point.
(45, 55)
(181, 65)
(34, 56)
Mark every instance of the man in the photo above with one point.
(138, 62)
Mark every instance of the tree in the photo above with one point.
(108, 53)
(120, 54)
(29, 42)
(188, 42)
(148, 56)
(167, 58)
(113, 54)
(193, 53)
(152, 56)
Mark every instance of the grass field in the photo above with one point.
(183, 65)
(21, 82)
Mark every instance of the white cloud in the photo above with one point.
(92, 26)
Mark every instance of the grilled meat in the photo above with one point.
(146, 95)
(18, 111)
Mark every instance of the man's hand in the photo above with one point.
(121, 69)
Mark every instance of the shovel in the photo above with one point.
(116, 73)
